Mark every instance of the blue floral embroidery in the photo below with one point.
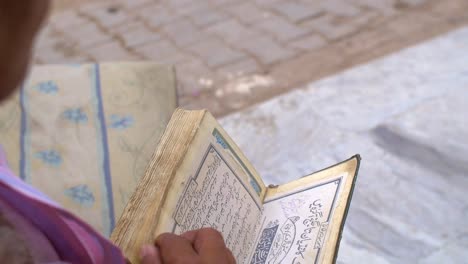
(121, 122)
(48, 87)
(75, 115)
(50, 157)
(81, 194)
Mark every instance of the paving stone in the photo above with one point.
(340, 7)
(133, 4)
(329, 29)
(232, 31)
(266, 49)
(364, 84)
(157, 50)
(353, 249)
(265, 3)
(214, 52)
(239, 68)
(51, 55)
(65, 47)
(350, 26)
(184, 8)
(179, 3)
(51, 59)
(281, 29)
(207, 17)
(296, 11)
(453, 251)
(111, 51)
(120, 29)
(386, 7)
(60, 51)
(87, 35)
(418, 22)
(223, 2)
(442, 128)
(194, 77)
(309, 43)
(46, 37)
(400, 245)
(247, 12)
(364, 20)
(183, 32)
(175, 59)
(67, 19)
(105, 14)
(138, 34)
(413, 2)
(365, 41)
(156, 16)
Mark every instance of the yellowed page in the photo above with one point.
(302, 219)
(216, 187)
(138, 222)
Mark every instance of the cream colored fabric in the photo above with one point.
(83, 134)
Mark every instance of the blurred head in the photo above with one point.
(20, 20)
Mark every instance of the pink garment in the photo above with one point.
(52, 234)
(37, 243)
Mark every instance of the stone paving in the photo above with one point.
(406, 114)
(232, 53)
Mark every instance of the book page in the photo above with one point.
(216, 197)
(295, 223)
(215, 186)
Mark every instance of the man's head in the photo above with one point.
(20, 20)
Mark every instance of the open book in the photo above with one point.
(198, 177)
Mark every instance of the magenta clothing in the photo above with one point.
(40, 248)
(52, 234)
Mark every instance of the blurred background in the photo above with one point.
(302, 84)
(230, 54)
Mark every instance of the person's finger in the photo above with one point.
(150, 255)
(175, 249)
(190, 235)
(232, 260)
(208, 238)
(209, 244)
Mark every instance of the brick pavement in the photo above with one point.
(232, 53)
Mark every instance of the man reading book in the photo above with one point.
(34, 229)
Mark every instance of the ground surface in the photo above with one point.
(406, 115)
(230, 54)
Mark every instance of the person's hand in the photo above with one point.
(19, 22)
(200, 246)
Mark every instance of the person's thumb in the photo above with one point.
(150, 254)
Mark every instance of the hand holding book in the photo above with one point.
(199, 246)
